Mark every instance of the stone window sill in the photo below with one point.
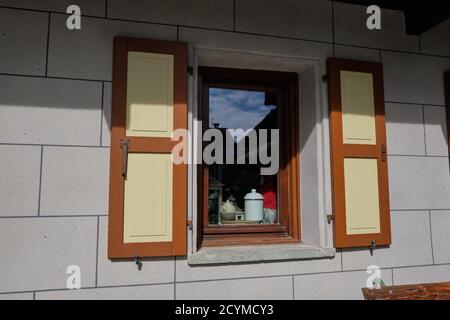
(259, 253)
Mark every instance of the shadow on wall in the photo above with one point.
(47, 111)
(28, 115)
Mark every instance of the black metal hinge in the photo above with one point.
(330, 218)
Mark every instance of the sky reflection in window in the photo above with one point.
(237, 109)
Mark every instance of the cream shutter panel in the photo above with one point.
(147, 211)
(359, 155)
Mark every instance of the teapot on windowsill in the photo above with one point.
(227, 211)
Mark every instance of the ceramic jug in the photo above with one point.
(254, 206)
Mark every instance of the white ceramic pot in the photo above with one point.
(228, 211)
(254, 206)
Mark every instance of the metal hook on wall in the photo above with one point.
(373, 245)
(138, 262)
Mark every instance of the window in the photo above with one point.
(243, 197)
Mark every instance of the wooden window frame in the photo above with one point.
(339, 151)
(286, 84)
(116, 246)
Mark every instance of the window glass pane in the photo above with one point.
(238, 193)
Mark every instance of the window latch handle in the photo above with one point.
(124, 145)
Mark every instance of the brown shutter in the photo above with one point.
(447, 98)
(148, 195)
(359, 156)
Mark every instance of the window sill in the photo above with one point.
(258, 253)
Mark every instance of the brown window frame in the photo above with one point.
(288, 231)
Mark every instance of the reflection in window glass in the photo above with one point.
(238, 193)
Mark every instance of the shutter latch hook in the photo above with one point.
(138, 262)
(373, 246)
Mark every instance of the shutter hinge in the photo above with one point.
(189, 224)
(325, 78)
(330, 218)
(373, 246)
(190, 71)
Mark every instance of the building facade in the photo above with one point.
(56, 89)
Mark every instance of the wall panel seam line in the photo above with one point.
(15, 292)
(423, 209)
(243, 278)
(397, 51)
(89, 288)
(102, 113)
(53, 145)
(293, 287)
(262, 35)
(415, 103)
(47, 11)
(40, 181)
(56, 216)
(431, 236)
(48, 43)
(234, 15)
(281, 275)
(174, 278)
(416, 156)
(402, 267)
(147, 22)
(52, 77)
(97, 252)
(420, 44)
(424, 130)
(408, 52)
(106, 9)
(332, 28)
